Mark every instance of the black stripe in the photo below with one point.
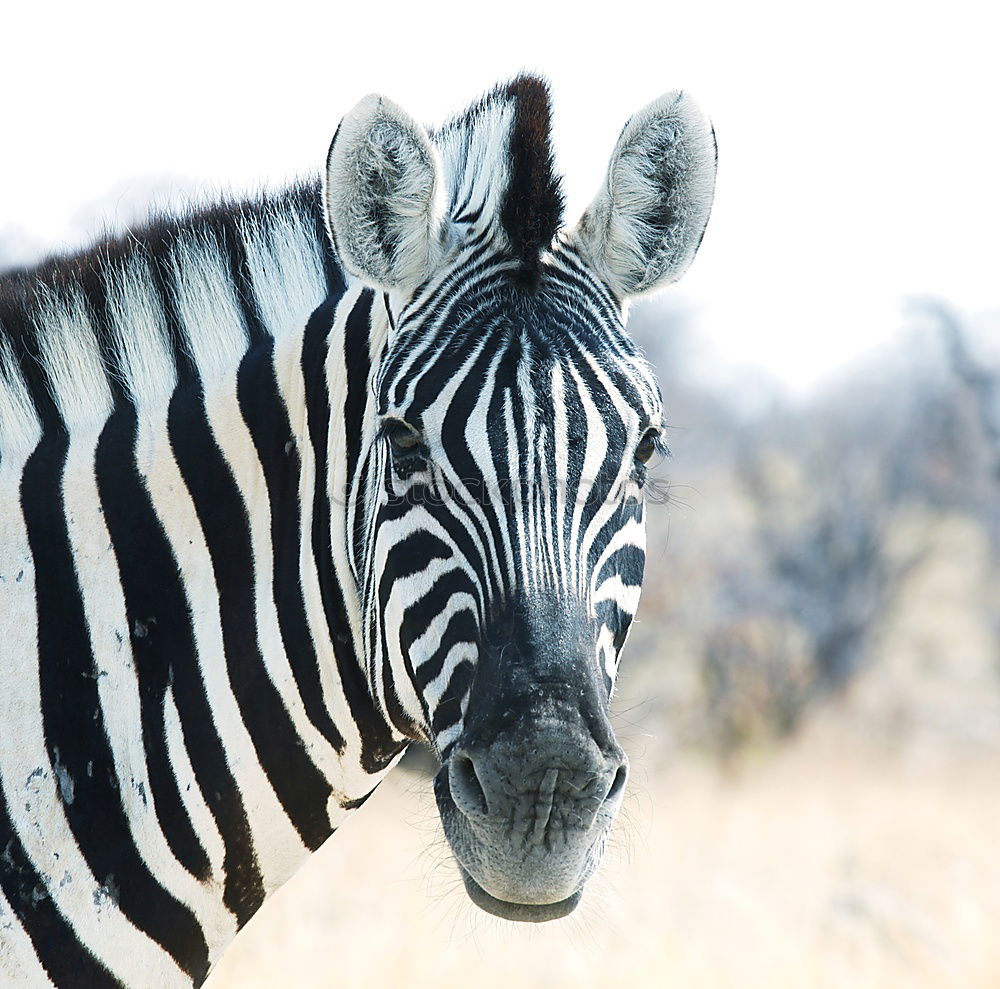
(75, 732)
(415, 553)
(357, 331)
(378, 745)
(244, 888)
(299, 785)
(449, 710)
(462, 627)
(267, 419)
(626, 561)
(66, 960)
(158, 622)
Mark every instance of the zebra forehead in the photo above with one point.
(493, 330)
(544, 375)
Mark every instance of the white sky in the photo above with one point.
(859, 159)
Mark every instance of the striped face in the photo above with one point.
(506, 553)
(513, 436)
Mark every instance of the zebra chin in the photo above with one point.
(530, 913)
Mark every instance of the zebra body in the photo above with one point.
(287, 484)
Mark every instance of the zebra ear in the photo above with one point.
(644, 227)
(381, 195)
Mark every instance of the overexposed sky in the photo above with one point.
(859, 159)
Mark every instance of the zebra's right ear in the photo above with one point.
(381, 195)
(644, 227)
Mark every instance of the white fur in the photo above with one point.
(665, 156)
(475, 155)
(286, 269)
(213, 324)
(144, 361)
(382, 195)
(70, 355)
(20, 429)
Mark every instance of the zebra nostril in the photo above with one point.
(618, 783)
(466, 788)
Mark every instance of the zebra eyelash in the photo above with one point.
(660, 444)
(651, 443)
(402, 438)
(408, 451)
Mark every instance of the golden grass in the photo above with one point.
(828, 864)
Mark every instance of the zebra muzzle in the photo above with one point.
(527, 815)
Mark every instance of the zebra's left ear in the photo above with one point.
(644, 227)
(381, 195)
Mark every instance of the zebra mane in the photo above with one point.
(498, 164)
(153, 240)
(77, 327)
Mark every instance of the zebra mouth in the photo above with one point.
(529, 913)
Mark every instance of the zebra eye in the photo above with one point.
(647, 446)
(403, 439)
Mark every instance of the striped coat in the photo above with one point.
(286, 484)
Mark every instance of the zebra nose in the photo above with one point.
(482, 785)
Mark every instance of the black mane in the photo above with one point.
(533, 209)
(153, 240)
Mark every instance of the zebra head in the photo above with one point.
(498, 533)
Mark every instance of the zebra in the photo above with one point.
(289, 482)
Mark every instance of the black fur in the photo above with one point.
(533, 208)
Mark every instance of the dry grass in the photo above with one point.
(828, 864)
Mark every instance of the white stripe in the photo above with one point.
(117, 682)
(29, 781)
(216, 337)
(286, 271)
(19, 426)
(215, 920)
(596, 450)
(172, 503)
(517, 501)
(144, 361)
(19, 965)
(72, 360)
(560, 456)
(478, 439)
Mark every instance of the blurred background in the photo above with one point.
(810, 697)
